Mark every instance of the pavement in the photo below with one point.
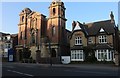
(89, 66)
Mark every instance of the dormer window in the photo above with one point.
(101, 30)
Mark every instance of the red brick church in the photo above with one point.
(44, 37)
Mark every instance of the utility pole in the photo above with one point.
(49, 50)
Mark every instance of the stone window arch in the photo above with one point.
(22, 18)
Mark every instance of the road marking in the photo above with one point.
(20, 73)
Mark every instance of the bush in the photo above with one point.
(89, 54)
(91, 59)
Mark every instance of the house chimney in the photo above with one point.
(83, 23)
(73, 25)
(112, 17)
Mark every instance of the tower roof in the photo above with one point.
(26, 10)
(56, 1)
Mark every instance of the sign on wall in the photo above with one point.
(65, 59)
(10, 55)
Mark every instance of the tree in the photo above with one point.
(89, 54)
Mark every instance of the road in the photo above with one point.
(27, 69)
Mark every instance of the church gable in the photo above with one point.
(34, 15)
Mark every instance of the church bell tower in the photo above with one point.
(56, 26)
(22, 35)
(56, 21)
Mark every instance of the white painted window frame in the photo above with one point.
(108, 54)
(77, 55)
(78, 40)
(102, 39)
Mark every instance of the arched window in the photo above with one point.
(53, 30)
(22, 18)
(54, 11)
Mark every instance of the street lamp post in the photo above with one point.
(49, 45)
(37, 51)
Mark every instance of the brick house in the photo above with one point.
(7, 42)
(78, 40)
(100, 36)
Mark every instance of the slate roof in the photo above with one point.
(3, 34)
(14, 35)
(68, 30)
(94, 28)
